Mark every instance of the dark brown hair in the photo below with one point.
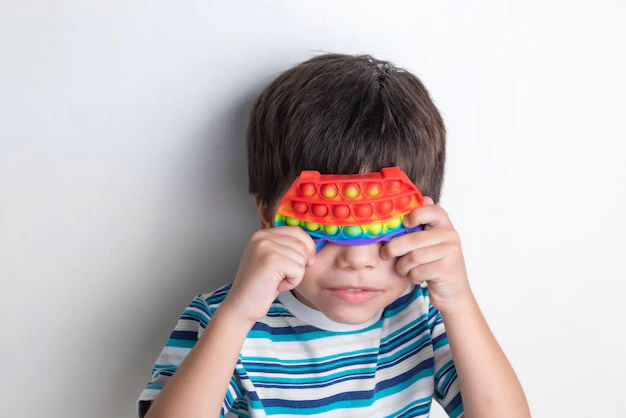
(344, 114)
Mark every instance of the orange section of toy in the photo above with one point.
(350, 199)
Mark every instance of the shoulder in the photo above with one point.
(413, 308)
(213, 299)
(413, 299)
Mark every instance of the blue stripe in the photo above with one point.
(413, 409)
(455, 407)
(440, 341)
(269, 360)
(173, 342)
(338, 362)
(316, 367)
(303, 333)
(323, 381)
(358, 399)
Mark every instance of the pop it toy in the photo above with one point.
(352, 209)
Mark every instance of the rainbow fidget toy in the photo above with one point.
(355, 209)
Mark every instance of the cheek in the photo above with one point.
(389, 265)
(394, 279)
(313, 273)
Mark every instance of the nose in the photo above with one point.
(357, 257)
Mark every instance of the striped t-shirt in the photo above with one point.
(296, 361)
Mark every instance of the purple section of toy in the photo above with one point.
(319, 242)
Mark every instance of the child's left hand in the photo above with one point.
(433, 255)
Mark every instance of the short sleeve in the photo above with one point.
(447, 389)
(183, 338)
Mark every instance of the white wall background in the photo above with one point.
(123, 178)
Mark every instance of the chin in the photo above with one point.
(350, 318)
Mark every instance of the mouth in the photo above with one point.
(354, 294)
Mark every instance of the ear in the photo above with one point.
(265, 217)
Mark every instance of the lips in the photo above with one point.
(354, 296)
(367, 289)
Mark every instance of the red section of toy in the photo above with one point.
(350, 199)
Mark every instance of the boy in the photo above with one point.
(279, 341)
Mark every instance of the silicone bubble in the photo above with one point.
(354, 209)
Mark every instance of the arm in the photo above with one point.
(488, 383)
(198, 387)
(489, 387)
(274, 260)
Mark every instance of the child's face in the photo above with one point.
(346, 266)
(357, 266)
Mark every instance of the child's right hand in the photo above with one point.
(274, 261)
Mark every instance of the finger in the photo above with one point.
(433, 215)
(428, 200)
(300, 234)
(293, 274)
(421, 256)
(426, 272)
(288, 249)
(399, 246)
(296, 243)
(292, 236)
(274, 237)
